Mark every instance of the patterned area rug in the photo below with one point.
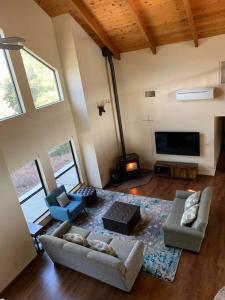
(159, 261)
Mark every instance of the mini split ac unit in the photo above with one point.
(195, 94)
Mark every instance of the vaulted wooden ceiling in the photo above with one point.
(125, 25)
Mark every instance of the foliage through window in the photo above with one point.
(42, 80)
(30, 190)
(64, 166)
(9, 101)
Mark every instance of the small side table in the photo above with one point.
(89, 194)
(35, 231)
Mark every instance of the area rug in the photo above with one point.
(159, 261)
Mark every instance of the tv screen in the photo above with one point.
(178, 143)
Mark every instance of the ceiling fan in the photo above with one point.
(11, 43)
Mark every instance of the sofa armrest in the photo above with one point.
(183, 230)
(62, 229)
(51, 243)
(75, 197)
(135, 257)
(183, 194)
(107, 260)
(57, 211)
(182, 237)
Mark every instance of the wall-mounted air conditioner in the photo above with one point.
(195, 94)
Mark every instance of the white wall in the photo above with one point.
(16, 249)
(174, 67)
(82, 59)
(28, 136)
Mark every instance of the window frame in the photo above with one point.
(56, 77)
(12, 75)
(43, 187)
(70, 167)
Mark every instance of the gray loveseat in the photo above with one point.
(120, 271)
(189, 238)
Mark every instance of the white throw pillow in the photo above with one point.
(192, 200)
(101, 247)
(189, 215)
(75, 238)
(63, 200)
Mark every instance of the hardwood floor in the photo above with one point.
(199, 276)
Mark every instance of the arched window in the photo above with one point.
(10, 104)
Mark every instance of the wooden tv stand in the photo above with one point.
(176, 169)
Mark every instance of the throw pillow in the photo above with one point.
(101, 247)
(189, 215)
(192, 200)
(63, 200)
(75, 238)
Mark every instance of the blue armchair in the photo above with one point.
(69, 212)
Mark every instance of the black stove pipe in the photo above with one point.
(107, 53)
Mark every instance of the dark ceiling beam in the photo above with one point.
(143, 28)
(93, 23)
(188, 11)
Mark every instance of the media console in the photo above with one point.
(176, 169)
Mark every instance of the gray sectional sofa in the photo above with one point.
(189, 238)
(120, 271)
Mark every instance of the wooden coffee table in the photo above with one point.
(121, 217)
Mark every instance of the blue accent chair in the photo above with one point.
(69, 212)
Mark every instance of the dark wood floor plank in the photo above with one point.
(199, 276)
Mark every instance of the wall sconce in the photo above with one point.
(101, 107)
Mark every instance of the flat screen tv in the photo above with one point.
(178, 143)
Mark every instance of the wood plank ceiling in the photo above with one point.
(126, 25)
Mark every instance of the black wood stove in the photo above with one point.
(129, 165)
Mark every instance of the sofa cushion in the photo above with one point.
(178, 205)
(101, 247)
(51, 198)
(192, 200)
(79, 230)
(75, 250)
(122, 248)
(73, 205)
(189, 215)
(174, 218)
(100, 237)
(75, 238)
(204, 208)
(63, 200)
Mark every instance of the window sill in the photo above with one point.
(76, 188)
(42, 218)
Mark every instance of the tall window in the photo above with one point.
(64, 166)
(30, 190)
(42, 80)
(9, 100)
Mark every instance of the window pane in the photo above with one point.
(42, 80)
(63, 165)
(26, 180)
(34, 207)
(61, 158)
(9, 102)
(29, 189)
(69, 179)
